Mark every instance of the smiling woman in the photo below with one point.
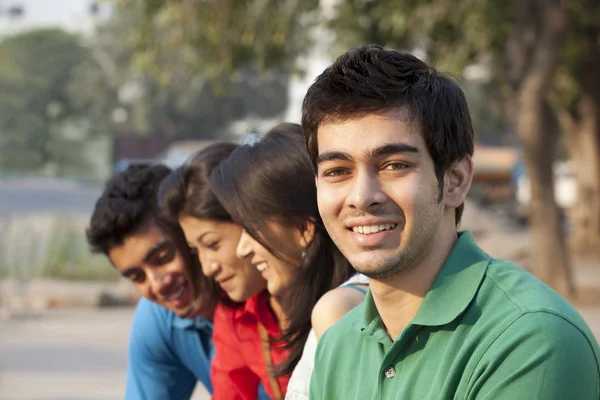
(238, 369)
(269, 189)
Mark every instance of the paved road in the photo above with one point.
(40, 195)
(66, 355)
(82, 355)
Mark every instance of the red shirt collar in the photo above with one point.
(257, 307)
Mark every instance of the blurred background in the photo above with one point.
(90, 87)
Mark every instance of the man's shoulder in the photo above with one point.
(524, 293)
(151, 321)
(513, 297)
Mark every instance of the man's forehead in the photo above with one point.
(367, 134)
(137, 246)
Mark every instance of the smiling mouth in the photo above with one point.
(261, 266)
(370, 229)
(179, 291)
(224, 280)
(177, 294)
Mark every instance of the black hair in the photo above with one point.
(372, 79)
(272, 180)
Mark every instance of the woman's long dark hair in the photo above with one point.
(186, 192)
(273, 180)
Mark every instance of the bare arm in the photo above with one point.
(332, 306)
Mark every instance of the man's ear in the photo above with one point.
(458, 182)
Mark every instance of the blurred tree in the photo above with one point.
(532, 56)
(220, 38)
(518, 44)
(172, 95)
(34, 103)
(576, 96)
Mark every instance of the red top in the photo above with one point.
(239, 363)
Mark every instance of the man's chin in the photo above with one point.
(373, 267)
(190, 311)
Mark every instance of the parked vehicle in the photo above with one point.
(565, 187)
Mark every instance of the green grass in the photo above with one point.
(50, 246)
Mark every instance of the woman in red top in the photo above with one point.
(185, 196)
(269, 189)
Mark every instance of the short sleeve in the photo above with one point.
(299, 385)
(539, 356)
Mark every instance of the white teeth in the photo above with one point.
(176, 295)
(261, 267)
(368, 229)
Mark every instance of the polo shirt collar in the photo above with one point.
(201, 324)
(456, 285)
(450, 294)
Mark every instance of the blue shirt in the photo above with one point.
(167, 354)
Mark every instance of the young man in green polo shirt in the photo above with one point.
(391, 140)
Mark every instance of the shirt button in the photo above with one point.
(390, 372)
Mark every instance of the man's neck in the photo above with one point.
(399, 298)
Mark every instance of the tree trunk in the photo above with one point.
(581, 125)
(582, 131)
(539, 136)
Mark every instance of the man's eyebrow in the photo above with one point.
(333, 156)
(385, 150)
(158, 247)
(392, 148)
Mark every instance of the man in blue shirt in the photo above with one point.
(171, 338)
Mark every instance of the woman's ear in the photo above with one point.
(307, 233)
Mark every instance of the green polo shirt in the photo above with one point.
(486, 329)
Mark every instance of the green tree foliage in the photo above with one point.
(35, 105)
(220, 38)
(171, 94)
(451, 35)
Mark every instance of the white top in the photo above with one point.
(299, 384)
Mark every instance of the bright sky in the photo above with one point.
(71, 15)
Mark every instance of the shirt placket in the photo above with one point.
(390, 370)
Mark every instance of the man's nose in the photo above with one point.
(365, 191)
(161, 282)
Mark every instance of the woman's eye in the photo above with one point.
(213, 246)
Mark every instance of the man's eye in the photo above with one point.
(136, 277)
(166, 256)
(334, 173)
(395, 166)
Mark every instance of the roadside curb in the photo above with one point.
(42, 294)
